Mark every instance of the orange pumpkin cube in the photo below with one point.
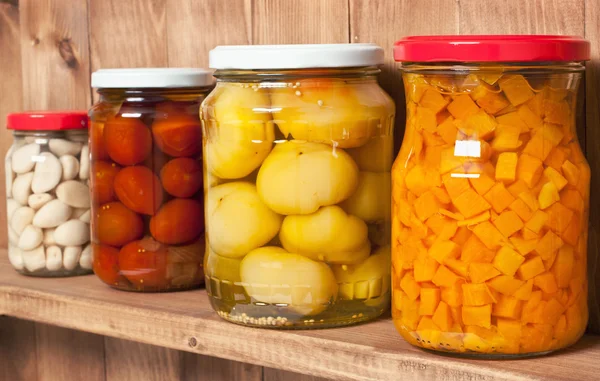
(445, 278)
(508, 223)
(430, 297)
(477, 315)
(499, 197)
(442, 316)
(476, 294)
(425, 270)
(469, 203)
(475, 251)
(524, 246)
(443, 250)
(507, 138)
(537, 221)
(549, 244)
(514, 120)
(557, 157)
(559, 217)
(546, 282)
(529, 169)
(410, 287)
(452, 295)
(505, 284)
(521, 209)
(481, 272)
(479, 125)
(506, 167)
(538, 147)
(462, 106)
(489, 235)
(573, 231)
(507, 307)
(448, 131)
(555, 176)
(531, 268)
(531, 119)
(571, 172)
(508, 261)
(433, 100)
(426, 205)
(524, 292)
(516, 88)
(424, 119)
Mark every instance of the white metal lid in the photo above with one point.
(251, 57)
(151, 78)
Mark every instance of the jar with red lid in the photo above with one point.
(146, 178)
(48, 200)
(490, 194)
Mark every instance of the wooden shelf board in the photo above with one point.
(185, 321)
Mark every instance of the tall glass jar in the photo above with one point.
(48, 203)
(297, 154)
(490, 196)
(146, 178)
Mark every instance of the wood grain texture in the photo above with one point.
(128, 33)
(129, 361)
(65, 354)
(17, 350)
(384, 22)
(195, 27)
(55, 54)
(300, 21)
(206, 368)
(282, 375)
(11, 98)
(592, 32)
(522, 17)
(185, 321)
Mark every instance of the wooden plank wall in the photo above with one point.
(48, 48)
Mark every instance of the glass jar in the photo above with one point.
(146, 178)
(297, 154)
(490, 196)
(48, 201)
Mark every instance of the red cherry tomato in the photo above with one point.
(97, 150)
(127, 140)
(106, 263)
(116, 225)
(182, 177)
(178, 221)
(102, 181)
(176, 129)
(139, 189)
(144, 263)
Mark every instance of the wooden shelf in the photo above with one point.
(185, 321)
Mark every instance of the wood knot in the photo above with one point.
(192, 342)
(65, 49)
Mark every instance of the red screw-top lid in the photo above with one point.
(47, 120)
(492, 48)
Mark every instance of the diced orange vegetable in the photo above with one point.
(433, 100)
(477, 315)
(489, 235)
(426, 205)
(417, 181)
(499, 197)
(552, 133)
(518, 186)
(410, 287)
(469, 203)
(475, 251)
(430, 297)
(442, 316)
(559, 217)
(410, 313)
(557, 157)
(555, 176)
(458, 267)
(538, 147)
(571, 172)
(452, 215)
(531, 268)
(508, 261)
(529, 117)
(462, 235)
(509, 329)
(481, 272)
(516, 88)
(508, 223)
(572, 200)
(425, 270)
(444, 277)
(425, 119)
(507, 138)
(507, 307)
(476, 294)
(455, 186)
(563, 266)
(475, 220)
(573, 231)
(528, 234)
(521, 209)
(556, 112)
(441, 195)
(479, 125)
(524, 246)
(529, 199)
(529, 169)
(553, 310)
(506, 167)
(449, 161)
(549, 244)
(546, 282)
(462, 106)
(524, 292)
(442, 250)
(537, 221)
(505, 284)
(452, 295)
(512, 119)
(448, 131)
(483, 183)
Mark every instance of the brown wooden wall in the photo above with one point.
(48, 48)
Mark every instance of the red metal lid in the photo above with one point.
(492, 48)
(47, 120)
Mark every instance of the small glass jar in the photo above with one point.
(298, 147)
(146, 178)
(48, 201)
(490, 196)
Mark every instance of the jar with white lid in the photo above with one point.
(146, 178)
(48, 201)
(298, 143)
